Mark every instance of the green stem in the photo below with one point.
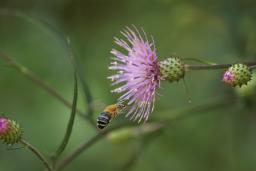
(70, 125)
(85, 87)
(43, 24)
(199, 60)
(134, 158)
(78, 150)
(205, 105)
(177, 115)
(216, 66)
(38, 81)
(37, 153)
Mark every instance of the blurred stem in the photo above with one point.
(78, 150)
(142, 147)
(217, 66)
(206, 105)
(133, 159)
(66, 42)
(37, 153)
(85, 87)
(70, 125)
(199, 60)
(38, 81)
(178, 115)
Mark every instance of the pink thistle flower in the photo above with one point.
(4, 126)
(228, 77)
(137, 71)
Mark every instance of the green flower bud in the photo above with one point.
(249, 90)
(237, 75)
(10, 131)
(172, 69)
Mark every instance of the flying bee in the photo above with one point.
(109, 113)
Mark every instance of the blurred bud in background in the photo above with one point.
(125, 134)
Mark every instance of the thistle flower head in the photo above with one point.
(237, 75)
(137, 71)
(10, 131)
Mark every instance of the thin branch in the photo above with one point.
(133, 159)
(37, 153)
(216, 66)
(199, 60)
(168, 116)
(70, 124)
(78, 150)
(178, 115)
(60, 35)
(38, 81)
(142, 147)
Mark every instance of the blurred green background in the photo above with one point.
(214, 137)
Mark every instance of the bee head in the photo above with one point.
(121, 106)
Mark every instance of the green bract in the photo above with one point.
(172, 69)
(13, 134)
(237, 75)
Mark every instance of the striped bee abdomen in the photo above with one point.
(103, 120)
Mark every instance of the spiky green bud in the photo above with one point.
(10, 131)
(237, 75)
(172, 69)
(248, 91)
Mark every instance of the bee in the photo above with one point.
(109, 113)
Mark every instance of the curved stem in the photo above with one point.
(85, 87)
(66, 138)
(37, 153)
(39, 82)
(217, 66)
(35, 21)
